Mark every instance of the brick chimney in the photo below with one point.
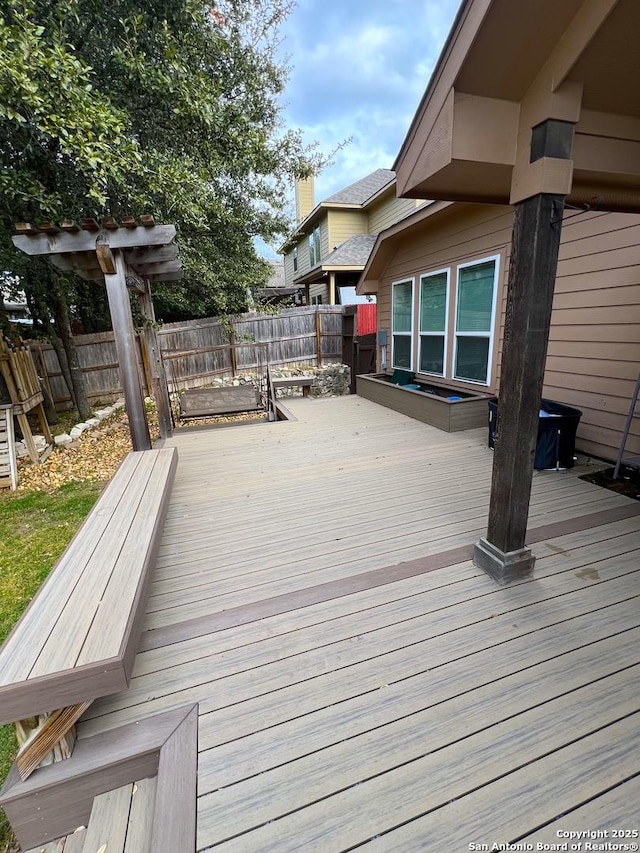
(304, 198)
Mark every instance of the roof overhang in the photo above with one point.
(321, 273)
(506, 68)
(388, 240)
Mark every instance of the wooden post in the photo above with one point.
(532, 273)
(318, 336)
(232, 351)
(155, 365)
(120, 308)
(332, 288)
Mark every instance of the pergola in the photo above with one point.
(122, 256)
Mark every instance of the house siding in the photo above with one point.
(325, 248)
(288, 269)
(388, 211)
(342, 224)
(594, 344)
(320, 289)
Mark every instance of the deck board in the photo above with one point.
(431, 709)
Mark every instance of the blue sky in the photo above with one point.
(358, 69)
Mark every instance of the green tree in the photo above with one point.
(165, 106)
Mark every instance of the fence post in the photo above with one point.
(232, 350)
(318, 337)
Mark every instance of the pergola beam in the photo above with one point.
(151, 256)
(85, 241)
(123, 258)
(157, 268)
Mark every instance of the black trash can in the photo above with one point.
(557, 427)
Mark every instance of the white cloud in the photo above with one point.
(359, 68)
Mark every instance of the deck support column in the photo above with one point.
(532, 273)
(120, 307)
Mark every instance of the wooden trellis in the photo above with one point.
(8, 468)
(25, 394)
(122, 256)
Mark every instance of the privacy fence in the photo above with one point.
(197, 351)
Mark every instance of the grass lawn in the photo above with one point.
(35, 528)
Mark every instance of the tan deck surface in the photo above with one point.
(352, 692)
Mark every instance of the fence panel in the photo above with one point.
(196, 351)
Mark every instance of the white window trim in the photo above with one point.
(409, 334)
(442, 375)
(314, 247)
(490, 334)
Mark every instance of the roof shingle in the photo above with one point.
(361, 191)
(353, 252)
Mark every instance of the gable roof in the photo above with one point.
(361, 191)
(358, 194)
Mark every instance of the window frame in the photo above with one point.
(314, 247)
(490, 334)
(295, 258)
(410, 334)
(445, 333)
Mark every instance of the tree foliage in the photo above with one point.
(164, 106)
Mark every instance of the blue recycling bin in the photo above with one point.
(557, 427)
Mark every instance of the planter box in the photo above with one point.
(469, 412)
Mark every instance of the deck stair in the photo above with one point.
(90, 801)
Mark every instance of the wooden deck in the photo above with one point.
(359, 681)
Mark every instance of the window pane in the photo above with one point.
(433, 303)
(402, 351)
(472, 358)
(432, 354)
(475, 297)
(402, 299)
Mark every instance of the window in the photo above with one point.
(314, 247)
(402, 324)
(475, 309)
(434, 299)
(295, 258)
(453, 315)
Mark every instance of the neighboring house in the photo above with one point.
(440, 278)
(525, 102)
(276, 291)
(332, 241)
(17, 311)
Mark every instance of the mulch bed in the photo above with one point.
(627, 484)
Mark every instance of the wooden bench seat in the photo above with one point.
(91, 800)
(206, 402)
(77, 639)
(304, 382)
